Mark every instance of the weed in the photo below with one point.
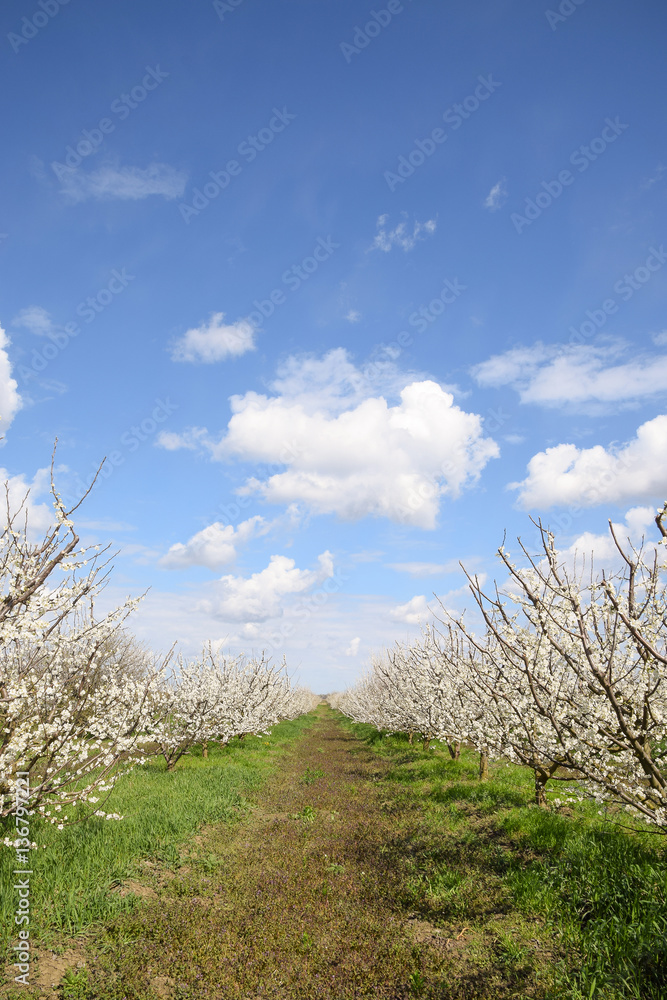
(307, 814)
(416, 983)
(311, 775)
(75, 985)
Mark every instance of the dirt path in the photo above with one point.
(300, 900)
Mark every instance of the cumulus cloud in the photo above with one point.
(351, 455)
(123, 183)
(260, 596)
(413, 612)
(215, 340)
(497, 196)
(215, 546)
(10, 400)
(403, 236)
(40, 515)
(638, 525)
(566, 474)
(353, 648)
(353, 316)
(586, 376)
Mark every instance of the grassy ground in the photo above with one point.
(364, 868)
(560, 903)
(81, 875)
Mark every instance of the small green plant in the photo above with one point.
(511, 954)
(75, 985)
(336, 869)
(307, 814)
(306, 941)
(417, 983)
(311, 775)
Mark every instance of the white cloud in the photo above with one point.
(215, 546)
(414, 612)
(34, 318)
(124, 183)
(353, 648)
(587, 376)
(426, 568)
(215, 341)
(353, 316)
(639, 524)
(349, 455)
(401, 236)
(260, 597)
(171, 441)
(585, 477)
(10, 400)
(497, 196)
(40, 515)
(660, 339)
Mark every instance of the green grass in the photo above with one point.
(76, 870)
(594, 894)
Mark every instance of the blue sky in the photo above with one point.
(343, 292)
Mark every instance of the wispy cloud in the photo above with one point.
(34, 318)
(124, 183)
(402, 236)
(594, 378)
(497, 196)
(425, 568)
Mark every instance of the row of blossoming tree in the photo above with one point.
(81, 702)
(566, 674)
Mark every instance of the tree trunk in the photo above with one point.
(204, 748)
(454, 750)
(483, 766)
(426, 742)
(410, 736)
(171, 765)
(540, 796)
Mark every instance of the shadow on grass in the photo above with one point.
(488, 795)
